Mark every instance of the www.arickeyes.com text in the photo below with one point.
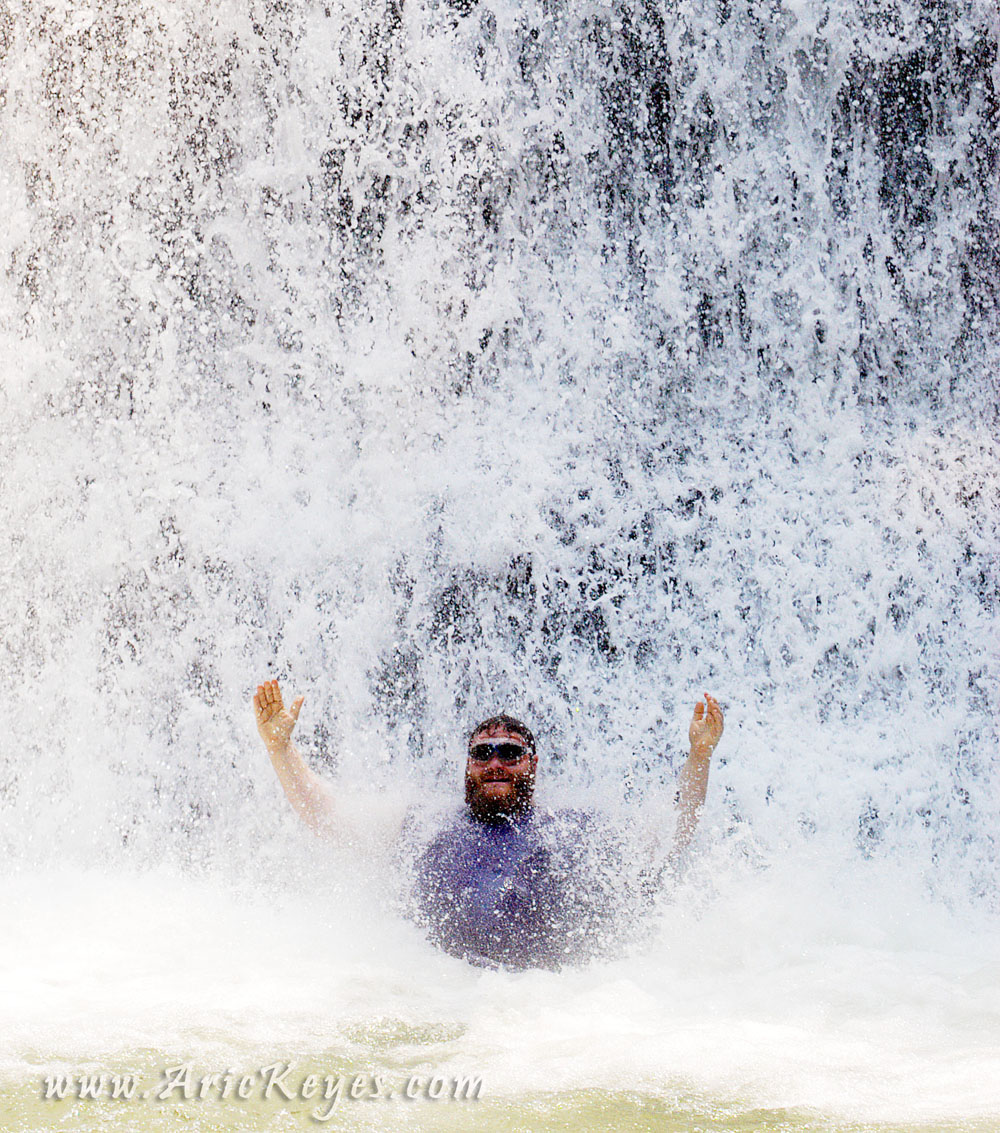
(275, 1082)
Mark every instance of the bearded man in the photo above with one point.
(507, 884)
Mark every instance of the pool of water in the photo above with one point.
(759, 1008)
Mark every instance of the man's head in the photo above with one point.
(500, 769)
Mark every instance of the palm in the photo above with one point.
(275, 722)
(706, 724)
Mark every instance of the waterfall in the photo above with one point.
(446, 357)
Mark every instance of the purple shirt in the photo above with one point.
(535, 890)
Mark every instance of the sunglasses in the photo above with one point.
(505, 752)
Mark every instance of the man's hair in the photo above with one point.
(508, 722)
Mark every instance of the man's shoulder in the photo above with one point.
(440, 826)
(430, 823)
(564, 817)
(578, 827)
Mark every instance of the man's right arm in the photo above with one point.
(370, 823)
(308, 794)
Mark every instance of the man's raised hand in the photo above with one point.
(275, 723)
(706, 726)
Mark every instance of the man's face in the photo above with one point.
(495, 789)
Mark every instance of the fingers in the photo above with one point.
(267, 700)
(714, 711)
(713, 719)
(706, 725)
(296, 707)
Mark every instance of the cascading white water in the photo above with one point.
(442, 358)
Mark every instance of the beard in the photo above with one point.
(486, 808)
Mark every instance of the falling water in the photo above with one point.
(447, 357)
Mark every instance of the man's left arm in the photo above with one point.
(692, 782)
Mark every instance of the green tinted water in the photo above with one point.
(574, 1112)
(398, 1091)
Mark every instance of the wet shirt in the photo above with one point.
(535, 890)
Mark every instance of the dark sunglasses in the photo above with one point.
(505, 752)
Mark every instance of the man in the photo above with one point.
(505, 884)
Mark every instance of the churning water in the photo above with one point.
(443, 357)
